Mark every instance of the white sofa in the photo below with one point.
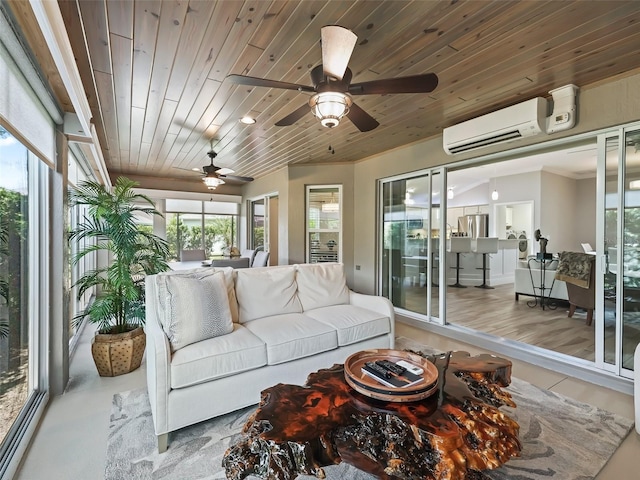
(525, 280)
(286, 322)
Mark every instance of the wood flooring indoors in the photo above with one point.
(496, 312)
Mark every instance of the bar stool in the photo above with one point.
(485, 246)
(459, 245)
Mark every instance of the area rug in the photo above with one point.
(559, 437)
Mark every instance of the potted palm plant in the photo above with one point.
(110, 225)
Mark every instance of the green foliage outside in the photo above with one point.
(258, 237)
(13, 230)
(219, 233)
(110, 226)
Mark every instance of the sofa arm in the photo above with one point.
(377, 304)
(158, 362)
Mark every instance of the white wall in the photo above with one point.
(585, 225)
(557, 212)
(276, 182)
(299, 178)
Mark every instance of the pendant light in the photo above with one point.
(495, 195)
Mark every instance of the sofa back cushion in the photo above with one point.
(266, 291)
(321, 285)
(194, 308)
(231, 290)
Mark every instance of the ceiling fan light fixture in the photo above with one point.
(212, 181)
(330, 107)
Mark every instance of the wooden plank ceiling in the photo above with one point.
(155, 71)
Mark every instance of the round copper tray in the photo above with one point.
(371, 388)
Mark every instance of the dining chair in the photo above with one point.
(261, 259)
(192, 255)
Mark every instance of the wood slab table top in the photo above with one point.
(452, 435)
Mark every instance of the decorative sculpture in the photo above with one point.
(543, 243)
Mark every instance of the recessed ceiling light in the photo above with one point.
(248, 120)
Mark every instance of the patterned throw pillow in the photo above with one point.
(196, 309)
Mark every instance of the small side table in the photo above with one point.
(542, 293)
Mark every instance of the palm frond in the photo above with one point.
(110, 225)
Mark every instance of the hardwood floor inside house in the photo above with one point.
(496, 312)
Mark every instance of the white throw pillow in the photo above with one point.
(196, 309)
(321, 285)
(198, 273)
(266, 291)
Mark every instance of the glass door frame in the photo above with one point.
(439, 175)
(602, 260)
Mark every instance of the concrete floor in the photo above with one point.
(71, 441)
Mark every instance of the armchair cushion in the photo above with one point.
(575, 268)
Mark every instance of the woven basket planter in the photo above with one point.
(119, 353)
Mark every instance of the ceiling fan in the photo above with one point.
(212, 176)
(332, 88)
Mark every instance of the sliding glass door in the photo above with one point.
(618, 303)
(410, 253)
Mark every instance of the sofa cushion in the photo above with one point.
(292, 336)
(231, 290)
(353, 324)
(321, 285)
(195, 309)
(217, 357)
(267, 291)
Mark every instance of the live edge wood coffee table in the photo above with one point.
(453, 434)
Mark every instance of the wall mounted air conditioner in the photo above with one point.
(522, 120)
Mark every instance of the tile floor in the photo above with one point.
(71, 441)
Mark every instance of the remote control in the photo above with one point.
(378, 369)
(411, 367)
(392, 367)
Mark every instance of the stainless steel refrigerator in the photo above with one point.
(474, 226)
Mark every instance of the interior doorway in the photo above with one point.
(263, 225)
(272, 228)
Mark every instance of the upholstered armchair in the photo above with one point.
(578, 271)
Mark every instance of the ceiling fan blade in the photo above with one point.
(263, 82)
(414, 84)
(337, 46)
(189, 170)
(361, 119)
(224, 171)
(294, 116)
(236, 178)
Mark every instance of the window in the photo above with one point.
(76, 270)
(324, 223)
(193, 224)
(21, 253)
